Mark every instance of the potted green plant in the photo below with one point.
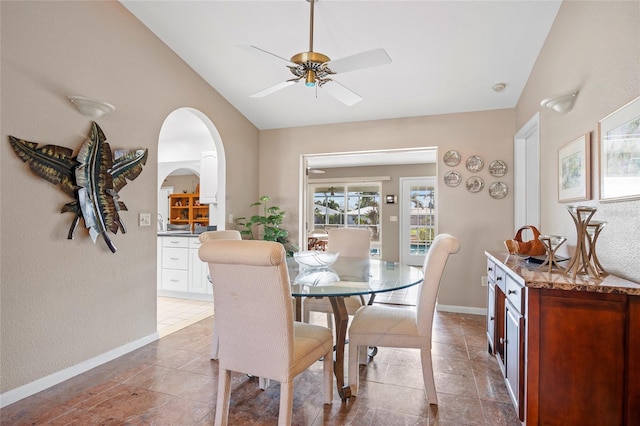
(266, 224)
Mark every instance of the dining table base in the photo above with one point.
(342, 320)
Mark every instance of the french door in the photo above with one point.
(418, 218)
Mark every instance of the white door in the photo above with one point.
(527, 175)
(418, 218)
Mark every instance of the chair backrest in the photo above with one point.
(253, 306)
(226, 234)
(433, 267)
(350, 242)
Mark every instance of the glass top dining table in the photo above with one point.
(348, 277)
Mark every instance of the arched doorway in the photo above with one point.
(184, 135)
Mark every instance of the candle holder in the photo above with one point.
(593, 231)
(551, 243)
(582, 260)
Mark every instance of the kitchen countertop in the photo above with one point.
(540, 278)
(177, 234)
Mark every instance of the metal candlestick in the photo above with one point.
(593, 230)
(551, 243)
(581, 262)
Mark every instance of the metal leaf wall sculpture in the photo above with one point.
(93, 178)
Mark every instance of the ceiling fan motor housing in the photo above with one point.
(310, 61)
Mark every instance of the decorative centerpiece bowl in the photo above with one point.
(315, 259)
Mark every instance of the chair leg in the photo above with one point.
(353, 371)
(263, 383)
(286, 403)
(427, 376)
(222, 404)
(327, 371)
(214, 343)
(363, 354)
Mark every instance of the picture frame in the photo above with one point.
(574, 170)
(619, 144)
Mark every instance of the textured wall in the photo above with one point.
(479, 221)
(64, 302)
(593, 47)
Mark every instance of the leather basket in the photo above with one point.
(534, 247)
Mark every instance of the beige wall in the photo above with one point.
(64, 302)
(479, 221)
(593, 47)
(390, 237)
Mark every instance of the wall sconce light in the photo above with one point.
(560, 103)
(91, 107)
(390, 199)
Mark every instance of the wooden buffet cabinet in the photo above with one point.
(569, 349)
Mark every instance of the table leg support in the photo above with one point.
(342, 321)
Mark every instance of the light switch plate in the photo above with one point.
(144, 219)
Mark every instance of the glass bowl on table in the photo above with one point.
(315, 259)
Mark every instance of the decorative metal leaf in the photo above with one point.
(93, 178)
(127, 165)
(52, 163)
(96, 186)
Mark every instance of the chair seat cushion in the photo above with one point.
(386, 326)
(311, 342)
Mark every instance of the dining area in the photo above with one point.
(259, 298)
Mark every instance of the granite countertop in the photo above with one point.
(535, 277)
(177, 234)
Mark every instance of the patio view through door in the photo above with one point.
(418, 218)
(350, 205)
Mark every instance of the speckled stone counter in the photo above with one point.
(536, 277)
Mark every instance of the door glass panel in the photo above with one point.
(418, 227)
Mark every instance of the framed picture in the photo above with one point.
(574, 177)
(619, 135)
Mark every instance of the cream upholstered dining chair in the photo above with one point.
(226, 234)
(388, 326)
(349, 242)
(257, 333)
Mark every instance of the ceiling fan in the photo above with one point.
(316, 68)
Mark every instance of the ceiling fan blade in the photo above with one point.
(370, 58)
(341, 93)
(273, 89)
(266, 54)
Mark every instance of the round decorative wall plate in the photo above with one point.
(498, 168)
(475, 184)
(452, 158)
(475, 163)
(452, 178)
(498, 190)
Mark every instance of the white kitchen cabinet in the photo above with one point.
(181, 273)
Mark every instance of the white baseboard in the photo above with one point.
(39, 385)
(461, 309)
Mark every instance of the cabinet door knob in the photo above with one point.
(489, 269)
(498, 278)
(492, 318)
(511, 292)
(502, 341)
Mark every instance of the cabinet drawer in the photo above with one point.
(175, 242)
(175, 280)
(491, 270)
(500, 278)
(515, 293)
(194, 243)
(175, 258)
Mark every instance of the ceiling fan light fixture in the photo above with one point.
(310, 80)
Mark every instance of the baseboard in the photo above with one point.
(461, 309)
(39, 385)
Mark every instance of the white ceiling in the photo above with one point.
(446, 55)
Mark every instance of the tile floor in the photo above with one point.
(173, 382)
(175, 314)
